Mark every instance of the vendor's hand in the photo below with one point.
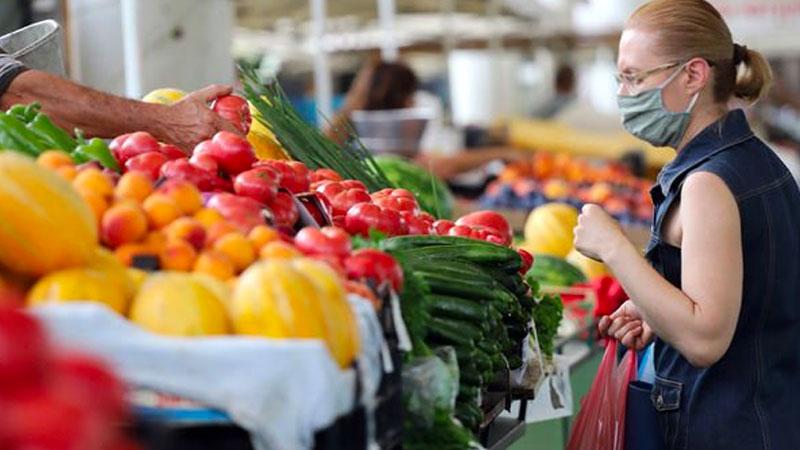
(191, 121)
(627, 326)
(597, 233)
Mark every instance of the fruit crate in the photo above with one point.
(213, 430)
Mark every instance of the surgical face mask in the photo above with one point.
(644, 116)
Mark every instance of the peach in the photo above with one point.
(123, 224)
(161, 210)
(278, 249)
(67, 172)
(237, 248)
(177, 254)
(208, 217)
(188, 229)
(93, 180)
(214, 263)
(53, 159)
(96, 202)
(134, 186)
(260, 235)
(126, 252)
(218, 230)
(184, 193)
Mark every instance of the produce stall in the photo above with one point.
(279, 291)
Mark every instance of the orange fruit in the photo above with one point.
(208, 217)
(67, 172)
(184, 193)
(123, 224)
(96, 202)
(161, 210)
(93, 180)
(177, 254)
(279, 249)
(218, 230)
(214, 263)
(53, 159)
(188, 229)
(134, 186)
(260, 235)
(237, 248)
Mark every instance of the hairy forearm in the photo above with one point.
(73, 106)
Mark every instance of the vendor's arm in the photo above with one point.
(70, 105)
(700, 320)
(449, 166)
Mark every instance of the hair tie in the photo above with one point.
(739, 54)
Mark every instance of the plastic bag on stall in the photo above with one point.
(532, 372)
(600, 424)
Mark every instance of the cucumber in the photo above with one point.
(468, 393)
(417, 241)
(468, 289)
(483, 255)
(472, 378)
(459, 308)
(462, 333)
(469, 414)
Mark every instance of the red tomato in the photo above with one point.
(495, 239)
(93, 381)
(417, 224)
(233, 153)
(354, 184)
(301, 170)
(374, 264)
(117, 142)
(460, 231)
(366, 216)
(244, 212)
(235, 109)
(260, 184)
(389, 192)
(400, 204)
(324, 174)
(202, 156)
(181, 169)
(291, 178)
(334, 262)
(325, 241)
(172, 152)
(342, 202)
(135, 144)
(284, 211)
(442, 227)
(149, 163)
(489, 220)
(527, 261)
(329, 189)
(24, 351)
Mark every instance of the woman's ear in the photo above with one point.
(699, 74)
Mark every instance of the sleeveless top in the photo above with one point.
(749, 399)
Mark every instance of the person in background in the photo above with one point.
(718, 289)
(564, 93)
(99, 114)
(386, 86)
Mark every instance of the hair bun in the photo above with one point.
(740, 54)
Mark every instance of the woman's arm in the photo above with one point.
(699, 320)
(71, 105)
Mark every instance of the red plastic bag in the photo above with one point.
(600, 424)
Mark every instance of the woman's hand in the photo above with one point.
(627, 326)
(597, 233)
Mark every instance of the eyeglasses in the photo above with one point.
(633, 81)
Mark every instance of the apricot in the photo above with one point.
(134, 186)
(260, 235)
(208, 217)
(96, 202)
(184, 193)
(53, 159)
(122, 224)
(93, 180)
(188, 229)
(278, 249)
(67, 172)
(216, 264)
(237, 248)
(161, 210)
(177, 254)
(218, 230)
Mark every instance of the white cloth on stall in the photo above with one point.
(281, 391)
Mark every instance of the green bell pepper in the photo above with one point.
(94, 149)
(51, 134)
(19, 137)
(25, 113)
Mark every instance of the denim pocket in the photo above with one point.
(666, 399)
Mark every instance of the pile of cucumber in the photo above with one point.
(474, 299)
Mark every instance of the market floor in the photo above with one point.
(550, 435)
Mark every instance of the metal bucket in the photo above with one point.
(392, 131)
(38, 46)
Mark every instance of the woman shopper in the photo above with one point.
(720, 286)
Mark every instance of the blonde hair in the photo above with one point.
(693, 28)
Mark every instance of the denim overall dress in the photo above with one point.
(749, 399)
